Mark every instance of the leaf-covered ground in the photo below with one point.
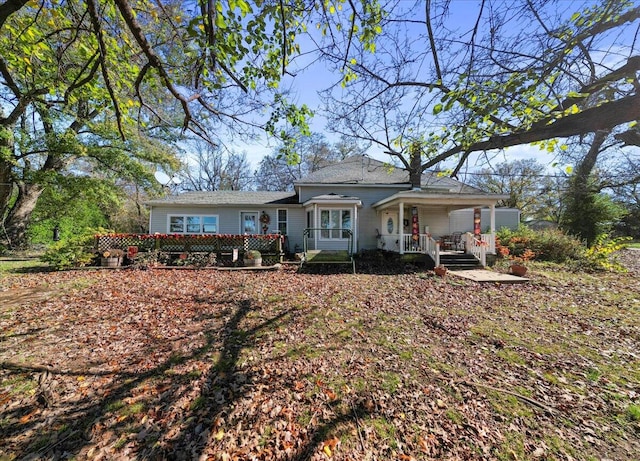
(182, 364)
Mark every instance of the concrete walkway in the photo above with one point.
(483, 275)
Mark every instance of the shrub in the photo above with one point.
(601, 255)
(546, 245)
(252, 254)
(74, 251)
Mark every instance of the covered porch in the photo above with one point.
(416, 221)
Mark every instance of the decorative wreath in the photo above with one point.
(264, 218)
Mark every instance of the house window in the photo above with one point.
(193, 224)
(332, 220)
(282, 222)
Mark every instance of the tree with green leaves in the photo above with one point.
(108, 85)
(459, 79)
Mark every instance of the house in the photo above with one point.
(462, 220)
(372, 199)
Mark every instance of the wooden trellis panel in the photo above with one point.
(270, 246)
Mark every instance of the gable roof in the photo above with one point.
(228, 198)
(363, 170)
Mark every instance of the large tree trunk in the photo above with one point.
(17, 221)
(580, 218)
(415, 166)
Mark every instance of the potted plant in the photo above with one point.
(440, 270)
(517, 263)
(517, 268)
(252, 258)
(112, 257)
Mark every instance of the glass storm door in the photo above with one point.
(390, 223)
(249, 223)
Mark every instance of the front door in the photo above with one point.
(249, 223)
(390, 223)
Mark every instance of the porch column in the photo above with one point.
(316, 224)
(354, 229)
(401, 227)
(492, 225)
(492, 213)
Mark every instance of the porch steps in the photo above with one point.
(459, 261)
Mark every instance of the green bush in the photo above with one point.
(555, 246)
(546, 245)
(75, 251)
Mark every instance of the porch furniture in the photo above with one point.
(446, 242)
(456, 241)
(328, 256)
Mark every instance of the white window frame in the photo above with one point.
(185, 218)
(258, 229)
(285, 222)
(331, 230)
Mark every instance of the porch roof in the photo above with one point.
(419, 197)
(333, 199)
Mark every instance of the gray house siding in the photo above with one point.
(229, 219)
(462, 220)
(368, 218)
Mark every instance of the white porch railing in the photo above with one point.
(479, 247)
(428, 245)
(425, 244)
(389, 243)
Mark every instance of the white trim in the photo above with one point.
(286, 222)
(401, 226)
(352, 218)
(421, 198)
(184, 225)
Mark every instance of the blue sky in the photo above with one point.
(308, 82)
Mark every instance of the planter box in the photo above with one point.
(111, 262)
(256, 262)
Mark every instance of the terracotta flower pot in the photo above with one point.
(518, 269)
(440, 271)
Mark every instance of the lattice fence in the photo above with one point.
(225, 247)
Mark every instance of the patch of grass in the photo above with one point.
(120, 443)
(304, 418)
(510, 356)
(509, 405)
(303, 351)
(385, 430)
(454, 415)
(633, 412)
(593, 374)
(512, 447)
(114, 406)
(124, 409)
(406, 355)
(267, 431)
(19, 384)
(198, 403)
(390, 382)
(194, 374)
(133, 409)
(21, 265)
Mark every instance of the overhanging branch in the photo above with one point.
(604, 117)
